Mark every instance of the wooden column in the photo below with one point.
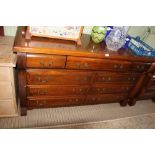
(21, 64)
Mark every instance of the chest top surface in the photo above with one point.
(63, 47)
(7, 57)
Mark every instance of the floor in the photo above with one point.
(142, 115)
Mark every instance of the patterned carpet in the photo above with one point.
(142, 115)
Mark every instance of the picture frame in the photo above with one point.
(72, 33)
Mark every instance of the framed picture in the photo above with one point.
(59, 32)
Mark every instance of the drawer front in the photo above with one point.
(45, 76)
(109, 77)
(105, 98)
(55, 102)
(56, 90)
(7, 108)
(45, 61)
(5, 90)
(140, 67)
(110, 88)
(96, 64)
(147, 95)
(5, 74)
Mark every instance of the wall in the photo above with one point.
(147, 33)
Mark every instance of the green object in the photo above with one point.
(98, 33)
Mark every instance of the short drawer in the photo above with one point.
(105, 98)
(5, 90)
(97, 64)
(5, 74)
(55, 101)
(47, 77)
(56, 90)
(45, 61)
(7, 108)
(110, 88)
(109, 77)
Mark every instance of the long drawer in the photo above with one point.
(45, 61)
(56, 90)
(55, 101)
(43, 77)
(5, 90)
(105, 64)
(110, 88)
(111, 77)
(104, 98)
(96, 64)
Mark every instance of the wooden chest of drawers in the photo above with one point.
(59, 73)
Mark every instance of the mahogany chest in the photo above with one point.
(55, 73)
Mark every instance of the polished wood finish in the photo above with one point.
(38, 76)
(55, 73)
(45, 61)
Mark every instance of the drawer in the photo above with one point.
(55, 101)
(96, 64)
(109, 77)
(56, 90)
(7, 108)
(105, 98)
(110, 88)
(140, 67)
(5, 74)
(45, 61)
(147, 95)
(5, 90)
(46, 76)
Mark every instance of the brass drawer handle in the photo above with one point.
(115, 66)
(77, 78)
(44, 81)
(42, 63)
(50, 63)
(78, 64)
(85, 78)
(86, 65)
(80, 90)
(121, 67)
(103, 78)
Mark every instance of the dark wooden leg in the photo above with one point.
(23, 111)
(123, 103)
(132, 102)
(153, 100)
(21, 61)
